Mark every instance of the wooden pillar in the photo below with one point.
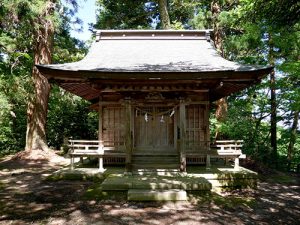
(128, 136)
(100, 137)
(100, 131)
(182, 126)
(207, 136)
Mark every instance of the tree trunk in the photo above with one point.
(273, 128)
(164, 14)
(38, 105)
(217, 34)
(221, 111)
(293, 136)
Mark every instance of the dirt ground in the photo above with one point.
(26, 197)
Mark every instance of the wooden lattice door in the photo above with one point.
(154, 128)
(113, 127)
(197, 133)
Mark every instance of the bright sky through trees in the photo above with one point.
(87, 13)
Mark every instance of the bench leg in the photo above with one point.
(236, 163)
(208, 161)
(101, 169)
(72, 163)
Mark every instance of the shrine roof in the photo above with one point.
(128, 52)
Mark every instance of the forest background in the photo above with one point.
(264, 32)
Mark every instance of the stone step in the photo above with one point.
(156, 195)
(151, 182)
(136, 166)
(154, 153)
(154, 182)
(157, 160)
(159, 172)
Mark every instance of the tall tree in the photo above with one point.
(283, 13)
(293, 135)
(258, 39)
(28, 29)
(131, 14)
(164, 14)
(128, 14)
(217, 32)
(38, 106)
(222, 105)
(273, 119)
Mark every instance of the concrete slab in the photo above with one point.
(195, 184)
(159, 172)
(197, 178)
(157, 183)
(152, 182)
(156, 195)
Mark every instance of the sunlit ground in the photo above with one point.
(26, 197)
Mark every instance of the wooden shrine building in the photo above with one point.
(153, 89)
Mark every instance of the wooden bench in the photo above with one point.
(86, 148)
(227, 149)
(96, 149)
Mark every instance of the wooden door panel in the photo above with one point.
(157, 131)
(196, 127)
(113, 126)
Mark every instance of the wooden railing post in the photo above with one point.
(101, 151)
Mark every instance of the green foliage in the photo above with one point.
(276, 12)
(201, 20)
(250, 30)
(130, 14)
(16, 56)
(69, 116)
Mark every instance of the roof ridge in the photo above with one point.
(153, 34)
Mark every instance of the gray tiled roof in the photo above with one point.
(152, 54)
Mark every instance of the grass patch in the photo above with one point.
(282, 179)
(95, 192)
(84, 176)
(75, 176)
(2, 186)
(211, 198)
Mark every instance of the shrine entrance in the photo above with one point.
(154, 129)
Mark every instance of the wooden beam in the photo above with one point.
(198, 102)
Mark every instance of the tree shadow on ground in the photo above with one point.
(27, 198)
